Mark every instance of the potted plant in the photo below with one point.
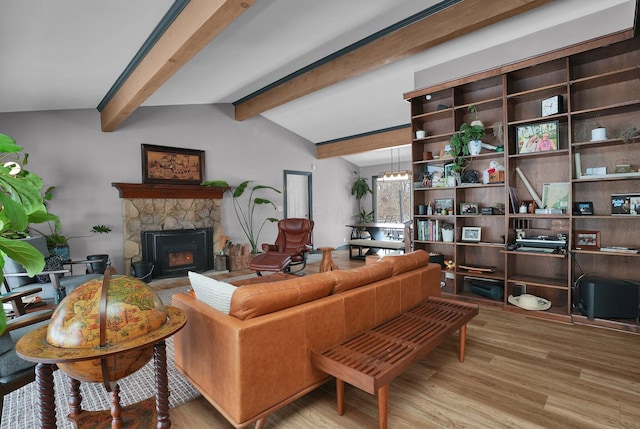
(461, 140)
(21, 203)
(58, 244)
(359, 189)
(447, 232)
(246, 215)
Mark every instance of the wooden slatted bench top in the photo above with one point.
(372, 359)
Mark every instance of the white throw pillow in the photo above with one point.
(212, 292)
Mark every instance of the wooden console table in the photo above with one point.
(372, 359)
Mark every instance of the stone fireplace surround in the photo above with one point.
(167, 207)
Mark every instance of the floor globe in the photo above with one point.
(103, 314)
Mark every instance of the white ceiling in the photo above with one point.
(66, 54)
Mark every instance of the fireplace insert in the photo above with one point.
(175, 252)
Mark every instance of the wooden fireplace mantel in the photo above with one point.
(144, 190)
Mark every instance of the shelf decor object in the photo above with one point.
(625, 204)
(471, 233)
(539, 137)
(552, 105)
(586, 240)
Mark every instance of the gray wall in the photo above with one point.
(68, 150)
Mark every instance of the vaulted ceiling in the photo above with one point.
(340, 82)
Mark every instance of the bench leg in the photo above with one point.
(383, 399)
(340, 396)
(463, 341)
(260, 423)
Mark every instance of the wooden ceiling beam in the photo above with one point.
(359, 144)
(198, 23)
(460, 19)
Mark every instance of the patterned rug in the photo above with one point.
(19, 410)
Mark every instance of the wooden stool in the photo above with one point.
(327, 263)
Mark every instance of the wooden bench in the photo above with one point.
(361, 243)
(372, 359)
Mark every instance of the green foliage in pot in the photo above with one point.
(360, 188)
(460, 141)
(246, 213)
(21, 203)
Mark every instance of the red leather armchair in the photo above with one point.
(295, 239)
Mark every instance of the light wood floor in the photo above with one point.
(518, 373)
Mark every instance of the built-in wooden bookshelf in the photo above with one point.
(598, 84)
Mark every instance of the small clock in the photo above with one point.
(552, 105)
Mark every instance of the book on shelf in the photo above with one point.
(619, 249)
(428, 230)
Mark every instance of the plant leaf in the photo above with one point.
(240, 189)
(23, 253)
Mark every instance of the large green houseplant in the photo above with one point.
(460, 140)
(246, 213)
(21, 203)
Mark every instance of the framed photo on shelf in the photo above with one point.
(471, 233)
(583, 208)
(586, 240)
(540, 137)
(440, 204)
(469, 209)
(172, 165)
(625, 204)
(448, 169)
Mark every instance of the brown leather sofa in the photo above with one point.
(257, 358)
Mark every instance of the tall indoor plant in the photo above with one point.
(246, 213)
(21, 203)
(359, 189)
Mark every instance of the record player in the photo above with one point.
(542, 243)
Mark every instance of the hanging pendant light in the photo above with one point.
(392, 174)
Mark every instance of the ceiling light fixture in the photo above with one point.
(392, 174)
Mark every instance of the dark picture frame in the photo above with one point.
(442, 203)
(586, 240)
(172, 165)
(469, 209)
(538, 137)
(584, 208)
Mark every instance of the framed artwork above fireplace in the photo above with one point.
(172, 165)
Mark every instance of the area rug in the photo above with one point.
(20, 407)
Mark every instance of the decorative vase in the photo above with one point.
(475, 146)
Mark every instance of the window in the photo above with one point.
(392, 200)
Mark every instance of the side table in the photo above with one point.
(327, 264)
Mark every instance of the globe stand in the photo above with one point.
(151, 413)
(35, 347)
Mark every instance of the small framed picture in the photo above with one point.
(540, 137)
(440, 204)
(586, 240)
(468, 208)
(583, 208)
(471, 233)
(448, 170)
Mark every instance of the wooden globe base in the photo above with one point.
(152, 413)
